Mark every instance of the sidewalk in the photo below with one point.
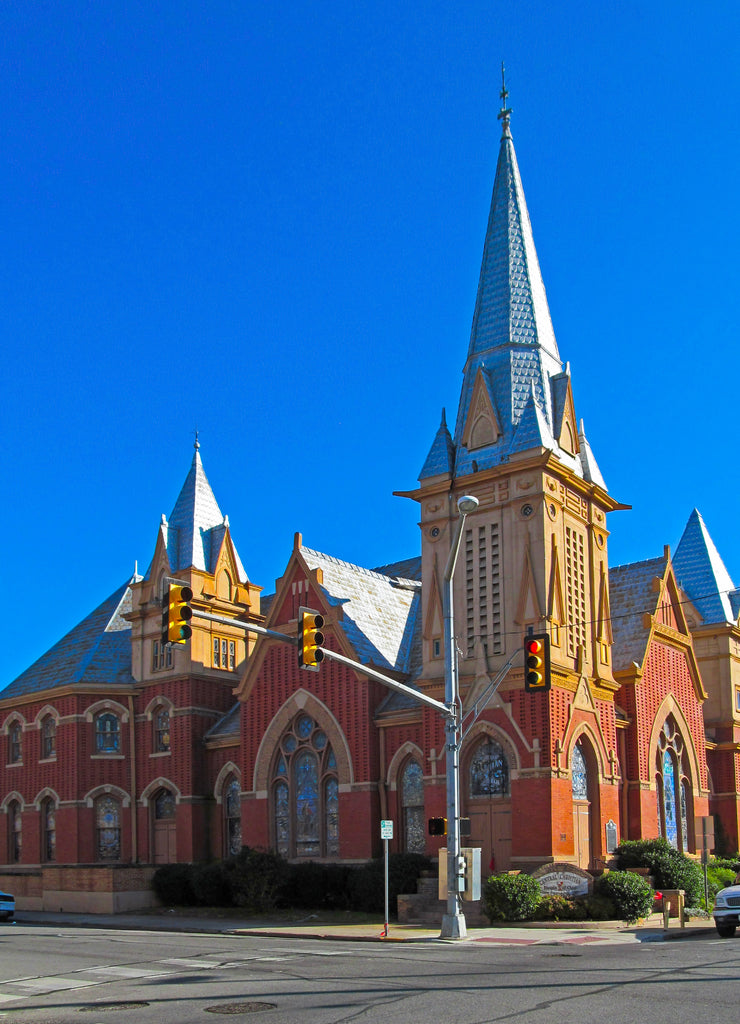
(313, 927)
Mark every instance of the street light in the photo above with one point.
(453, 922)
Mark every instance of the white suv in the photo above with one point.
(727, 911)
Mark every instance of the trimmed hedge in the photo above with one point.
(511, 897)
(631, 895)
(670, 868)
(261, 881)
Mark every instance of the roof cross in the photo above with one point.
(505, 113)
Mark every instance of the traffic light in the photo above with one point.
(537, 663)
(438, 826)
(176, 614)
(310, 639)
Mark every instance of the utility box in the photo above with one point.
(469, 884)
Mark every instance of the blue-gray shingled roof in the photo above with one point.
(97, 652)
(631, 594)
(381, 614)
(702, 574)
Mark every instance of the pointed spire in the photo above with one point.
(196, 512)
(441, 457)
(701, 572)
(512, 333)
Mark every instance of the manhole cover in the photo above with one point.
(97, 1007)
(241, 1008)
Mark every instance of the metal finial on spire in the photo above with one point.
(504, 114)
(197, 442)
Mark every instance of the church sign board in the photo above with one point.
(563, 880)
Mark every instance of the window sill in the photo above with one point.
(107, 757)
(161, 753)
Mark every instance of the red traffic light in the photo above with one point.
(537, 663)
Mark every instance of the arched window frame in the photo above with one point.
(48, 810)
(15, 742)
(107, 733)
(305, 792)
(48, 737)
(232, 811)
(411, 805)
(493, 781)
(107, 810)
(676, 797)
(15, 831)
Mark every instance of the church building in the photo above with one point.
(119, 753)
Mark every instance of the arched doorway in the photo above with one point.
(489, 804)
(164, 827)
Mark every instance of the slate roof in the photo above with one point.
(97, 652)
(702, 574)
(381, 614)
(195, 530)
(512, 340)
(227, 727)
(631, 594)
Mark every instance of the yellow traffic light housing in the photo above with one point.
(176, 614)
(438, 826)
(537, 663)
(310, 639)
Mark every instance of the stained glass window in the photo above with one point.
(412, 808)
(48, 830)
(673, 787)
(48, 737)
(14, 743)
(305, 792)
(162, 731)
(578, 774)
(233, 815)
(164, 805)
(107, 733)
(489, 769)
(15, 833)
(108, 828)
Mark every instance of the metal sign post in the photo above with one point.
(386, 833)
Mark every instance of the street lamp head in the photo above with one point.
(467, 504)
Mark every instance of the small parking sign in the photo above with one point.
(386, 830)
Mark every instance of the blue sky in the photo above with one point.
(266, 222)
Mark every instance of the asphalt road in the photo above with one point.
(57, 975)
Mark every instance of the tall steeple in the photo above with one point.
(195, 529)
(515, 389)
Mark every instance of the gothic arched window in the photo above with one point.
(412, 808)
(107, 828)
(489, 769)
(49, 737)
(305, 792)
(107, 733)
(578, 774)
(15, 743)
(673, 786)
(232, 817)
(161, 731)
(48, 830)
(15, 834)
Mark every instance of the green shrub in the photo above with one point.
(255, 878)
(670, 868)
(560, 908)
(511, 897)
(211, 885)
(173, 884)
(311, 885)
(600, 908)
(718, 878)
(631, 895)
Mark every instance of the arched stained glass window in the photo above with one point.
(233, 817)
(48, 830)
(673, 787)
(412, 807)
(107, 733)
(489, 769)
(15, 834)
(164, 805)
(578, 774)
(161, 730)
(15, 746)
(305, 792)
(108, 828)
(48, 737)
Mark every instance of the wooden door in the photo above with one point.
(582, 832)
(490, 829)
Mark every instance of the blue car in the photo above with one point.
(7, 906)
